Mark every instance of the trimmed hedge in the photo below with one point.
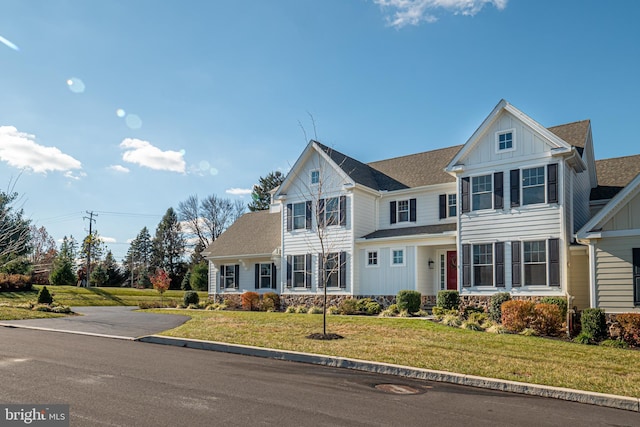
(561, 302)
(250, 301)
(190, 297)
(448, 300)
(594, 323)
(495, 305)
(409, 300)
(630, 324)
(270, 302)
(44, 297)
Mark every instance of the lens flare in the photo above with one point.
(133, 121)
(204, 165)
(213, 171)
(75, 85)
(120, 113)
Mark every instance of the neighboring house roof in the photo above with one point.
(362, 174)
(417, 170)
(254, 233)
(411, 231)
(575, 133)
(613, 175)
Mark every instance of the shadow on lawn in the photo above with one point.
(107, 295)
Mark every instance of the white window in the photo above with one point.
(372, 258)
(315, 177)
(299, 216)
(228, 276)
(265, 275)
(332, 270)
(397, 257)
(483, 265)
(481, 192)
(533, 186)
(443, 278)
(403, 211)
(504, 140)
(535, 263)
(299, 271)
(332, 211)
(452, 209)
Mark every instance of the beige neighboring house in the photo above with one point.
(246, 256)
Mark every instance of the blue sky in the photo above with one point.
(125, 108)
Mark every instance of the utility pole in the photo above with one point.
(91, 221)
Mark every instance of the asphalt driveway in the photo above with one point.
(116, 321)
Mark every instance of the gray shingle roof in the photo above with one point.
(254, 233)
(613, 175)
(410, 231)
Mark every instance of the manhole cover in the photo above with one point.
(398, 389)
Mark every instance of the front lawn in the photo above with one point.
(13, 313)
(425, 344)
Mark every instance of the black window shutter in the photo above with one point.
(464, 182)
(257, 274)
(221, 278)
(392, 212)
(636, 276)
(320, 271)
(412, 210)
(274, 276)
(443, 206)
(237, 276)
(343, 210)
(554, 262)
(498, 192)
(308, 216)
(289, 216)
(466, 265)
(516, 269)
(289, 270)
(307, 271)
(321, 213)
(514, 179)
(552, 183)
(343, 270)
(500, 264)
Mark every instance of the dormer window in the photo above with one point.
(505, 141)
(315, 177)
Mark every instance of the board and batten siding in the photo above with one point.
(526, 141)
(614, 273)
(386, 279)
(627, 218)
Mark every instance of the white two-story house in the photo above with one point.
(499, 213)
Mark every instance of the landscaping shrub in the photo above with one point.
(231, 303)
(630, 324)
(409, 300)
(190, 297)
(44, 297)
(517, 315)
(448, 300)
(559, 301)
(614, 343)
(15, 282)
(314, 309)
(368, 306)
(390, 311)
(348, 306)
(594, 324)
(302, 309)
(290, 309)
(583, 338)
(271, 302)
(250, 301)
(547, 319)
(495, 304)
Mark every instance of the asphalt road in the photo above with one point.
(110, 382)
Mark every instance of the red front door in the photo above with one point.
(452, 270)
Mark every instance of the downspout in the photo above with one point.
(592, 275)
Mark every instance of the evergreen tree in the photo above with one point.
(138, 259)
(114, 272)
(62, 273)
(99, 276)
(15, 235)
(200, 277)
(261, 196)
(168, 247)
(186, 285)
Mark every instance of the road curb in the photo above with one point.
(591, 398)
(64, 331)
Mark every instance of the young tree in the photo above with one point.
(113, 270)
(186, 285)
(169, 246)
(62, 272)
(99, 276)
(43, 250)
(261, 194)
(138, 259)
(160, 281)
(15, 234)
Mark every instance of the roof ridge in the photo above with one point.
(619, 157)
(570, 123)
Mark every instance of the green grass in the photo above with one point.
(425, 344)
(13, 313)
(75, 296)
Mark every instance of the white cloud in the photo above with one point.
(413, 12)
(105, 239)
(119, 168)
(238, 191)
(20, 150)
(144, 154)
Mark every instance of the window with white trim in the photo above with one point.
(397, 257)
(299, 271)
(299, 216)
(331, 268)
(229, 278)
(315, 177)
(403, 210)
(483, 264)
(452, 205)
(504, 141)
(533, 186)
(482, 192)
(372, 258)
(535, 263)
(443, 278)
(265, 275)
(331, 211)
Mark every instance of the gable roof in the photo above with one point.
(411, 231)
(575, 133)
(254, 233)
(613, 175)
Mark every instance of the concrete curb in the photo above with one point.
(591, 398)
(91, 334)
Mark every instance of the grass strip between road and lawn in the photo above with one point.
(425, 344)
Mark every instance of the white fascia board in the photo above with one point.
(343, 175)
(294, 172)
(238, 257)
(445, 238)
(449, 186)
(610, 209)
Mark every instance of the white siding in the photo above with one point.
(581, 192)
(365, 212)
(614, 274)
(627, 218)
(530, 222)
(387, 279)
(427, 207)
